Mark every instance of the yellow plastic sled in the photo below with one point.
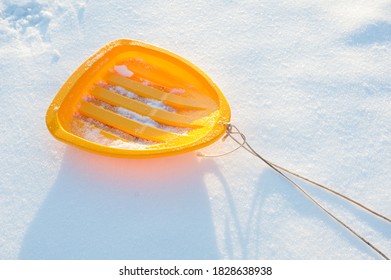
(134, 100)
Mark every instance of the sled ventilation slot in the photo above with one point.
(109, 107)
(134, 100)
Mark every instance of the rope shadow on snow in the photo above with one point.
(108, 208)
(303, 219)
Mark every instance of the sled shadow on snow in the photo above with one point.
(109, 208)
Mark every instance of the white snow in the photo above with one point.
(123, 70)
(308, 83)
(95, 135)
(148, 101)
(91, 130)
(149, 121)
(177, 91)
(136, 117)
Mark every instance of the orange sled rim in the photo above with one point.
(134, 100)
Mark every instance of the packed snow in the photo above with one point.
(94, 130)
(177, 91)
(91, 130)
(151, 102)
(308, 83)
(123, 70)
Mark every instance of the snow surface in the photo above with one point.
(132, 95)
(308, 83)
(123, 70)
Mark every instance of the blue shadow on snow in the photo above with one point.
(108, 208)
(375, 33)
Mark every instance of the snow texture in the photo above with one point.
(123, 71)
(308, 83)
(132, 95)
